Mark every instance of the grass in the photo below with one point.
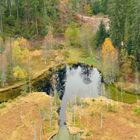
(115, 94)
(137, 110)
(44, 113)
(74, 55)
(2, 105)
(92, 61)
(89, 60)
(92, 114)
(77, 122)
(89, 133)
(111, 108)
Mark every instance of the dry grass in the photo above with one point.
(119, 121)
(27, 118)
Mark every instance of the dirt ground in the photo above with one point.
(104, 119)
(27, 118)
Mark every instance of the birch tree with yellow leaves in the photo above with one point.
(21, 58)
(109, 61)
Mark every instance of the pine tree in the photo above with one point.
(117, 21)
(101, 34)
(132, 28)
(136, 31)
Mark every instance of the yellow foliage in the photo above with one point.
(19, 73)
(108, 50)
(109, 61)
(16, 51)
(88, 9)
(20, 53)
(25, 55)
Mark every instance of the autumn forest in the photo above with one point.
(69, 69)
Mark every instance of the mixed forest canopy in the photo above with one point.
(31, 18)
(125, 26)
(28, 18)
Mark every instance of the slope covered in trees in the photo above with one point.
(125, 26)
(28, 18)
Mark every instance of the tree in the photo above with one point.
(117, 21)
(109, 61)
(9, 59)
(2, 9)
(96, 7)
(72, 34)
(20, 51)
(88, 9)
(125, 22)
(104, 6)
(19, 73)
(100, 6)
(101, 34)
(126, 64)
(2, 66)
(21, 59)
(49, 43)
(9, 5)
(17, 9)
(28, 18)
(136, 32)
(86, 38)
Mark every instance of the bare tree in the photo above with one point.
(17, 9)
(9, 7)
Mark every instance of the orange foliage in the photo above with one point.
(108, 50)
